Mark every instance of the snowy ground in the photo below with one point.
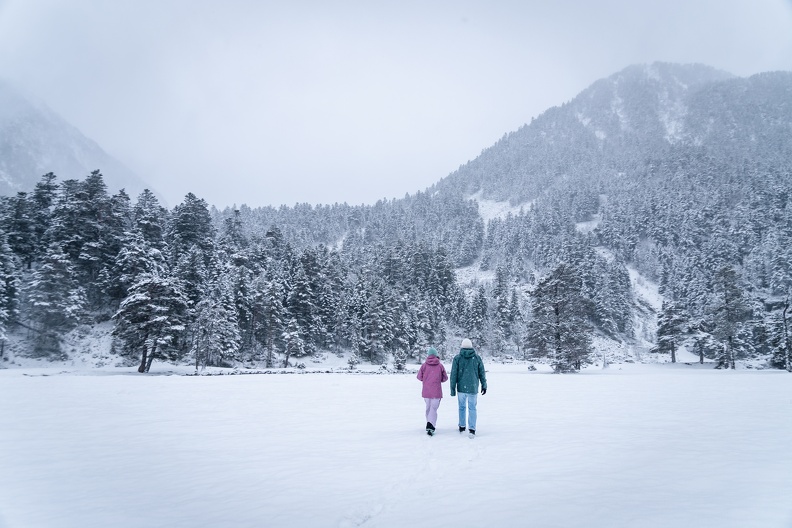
(630, 446)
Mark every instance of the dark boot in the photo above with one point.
(430, 429)
(461, 429)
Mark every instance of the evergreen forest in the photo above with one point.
(616, 187)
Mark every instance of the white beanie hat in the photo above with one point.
(466, 343)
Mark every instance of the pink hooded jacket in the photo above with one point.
(432, 373)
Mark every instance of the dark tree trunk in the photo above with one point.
(142, 367)
(148, 357)
(286, 359)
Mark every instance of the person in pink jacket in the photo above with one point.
(432, 373)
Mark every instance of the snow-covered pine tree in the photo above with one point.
(56, 300)
(135, 258)
(43, 197)
(271, 319)
(301, 307)
(19, 225)
(190, 226)
(559, 329)
(780, 340)
(329, 299)
(671, 323)
(240, 280)
(150, 218)
(152, 318)
(294, 344)
(232, 238)
(9, 290)
(379, 324)
(214, 328)
(399, 360)
(192, 268)
(503, 318)
(94, 241)
(479, 316)
(729, 312)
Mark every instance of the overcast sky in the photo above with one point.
(270, 103)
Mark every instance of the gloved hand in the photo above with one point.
(483, 391)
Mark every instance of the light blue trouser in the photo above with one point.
(467, 400)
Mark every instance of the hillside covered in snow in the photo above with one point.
(648, 219)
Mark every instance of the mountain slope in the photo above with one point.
(640, 113)
(656, 206)
(34, 140)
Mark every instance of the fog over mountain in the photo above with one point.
(35, 140)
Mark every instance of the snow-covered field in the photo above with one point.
(630, 446)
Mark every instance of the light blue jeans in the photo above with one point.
(467, 400)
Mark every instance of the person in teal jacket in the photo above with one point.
(467, 371)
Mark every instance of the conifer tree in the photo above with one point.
(670, 329)
(729, 312)
(190, 226)
(150, 218)
(479, 316)
(44, 195)
(559, 329)
(214, 329)
(19, 226)
(56, 300)
(9, 290)
(272, 315)
(301, 307)
(780, 340)
(151, 318)
(232, 238)
(136, 257)
(294, 345)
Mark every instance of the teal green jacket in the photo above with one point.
(466, 372)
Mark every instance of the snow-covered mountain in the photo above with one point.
(642, 112)
(657, 203)
(676, 177)
(34, 140)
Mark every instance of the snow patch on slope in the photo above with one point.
(586, 122)
(589, 225)
(490, 209)
(645, 289)
(648, 301)
(473, 275)
(672, 116)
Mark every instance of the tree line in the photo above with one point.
(246, 286)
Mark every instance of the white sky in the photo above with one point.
(263, 102)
